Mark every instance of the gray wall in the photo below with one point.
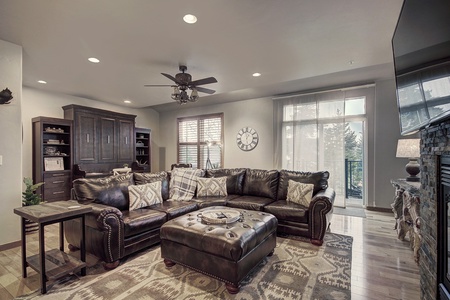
(383, 133)
(386, 135)
(40, 103)
(256, 113)
(10, 142)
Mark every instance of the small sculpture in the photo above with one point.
(5, 96)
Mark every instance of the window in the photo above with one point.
(200, 141)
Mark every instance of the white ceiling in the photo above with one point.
(293, 43)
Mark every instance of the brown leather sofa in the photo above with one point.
(113, 231)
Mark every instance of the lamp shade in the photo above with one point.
(408, 148)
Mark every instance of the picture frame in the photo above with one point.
(53, 164)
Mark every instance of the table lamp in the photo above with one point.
(410, 148)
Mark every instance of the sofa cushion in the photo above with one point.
(261, 183)
(213, 201)
(163, 176)
(175, 209)
(288, 211)
(250, 202)
(319, 179)
(111, 190)
(300, 193)
(183, 183)
(142, 220)
(211, 186)
(144, 195)
(235, 178)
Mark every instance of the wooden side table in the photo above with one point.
(53, 264)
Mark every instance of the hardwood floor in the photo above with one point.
(382, 266)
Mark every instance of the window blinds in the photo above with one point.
(200, 141)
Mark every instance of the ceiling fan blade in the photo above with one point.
(172, 78)
(207, 80)
(204, 90)
(147, 85)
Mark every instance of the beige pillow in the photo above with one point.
(145, 195)
(300, 193)
(212, 186)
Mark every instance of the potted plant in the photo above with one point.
(29, 197)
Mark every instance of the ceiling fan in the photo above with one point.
(184, 82)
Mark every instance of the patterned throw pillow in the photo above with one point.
(212, 186)
(300, 193)
(183, 183)
(145, 195)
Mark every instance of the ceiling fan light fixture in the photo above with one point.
(190, 19)
(176, 93)
(194, 95)
(183, 83)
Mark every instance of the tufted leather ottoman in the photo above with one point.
(227, 252)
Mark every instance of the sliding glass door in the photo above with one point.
(324, 131)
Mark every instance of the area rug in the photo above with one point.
(297, 270)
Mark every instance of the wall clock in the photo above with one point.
(247, 139)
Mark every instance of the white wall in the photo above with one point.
(256, 113)
(10, 142)
(39, 103)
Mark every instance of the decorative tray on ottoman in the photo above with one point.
(225, 216)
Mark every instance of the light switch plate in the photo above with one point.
(1, 160)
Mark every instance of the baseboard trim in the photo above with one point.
(10, 245)
(379, 209)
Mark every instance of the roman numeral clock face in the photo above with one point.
(247, 139)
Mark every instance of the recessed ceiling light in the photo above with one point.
(42, 81)
(190, 19)
(351, 62)
(93, 60)
(126, 101)
(256, 74)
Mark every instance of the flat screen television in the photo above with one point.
(421, 49)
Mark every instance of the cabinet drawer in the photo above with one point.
(57, 180)
(56, 194)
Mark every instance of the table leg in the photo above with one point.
(42, 259)
(24, 248)
(83, 245)
(61, 236)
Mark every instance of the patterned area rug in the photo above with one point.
(297, 270)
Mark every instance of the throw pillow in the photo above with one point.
(211, 186)
(183, 183)
(145, 195)
(300, 193)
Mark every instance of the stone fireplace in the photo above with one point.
(435, 145)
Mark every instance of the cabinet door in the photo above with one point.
(126, 141)
(107, 139)
(85, 138)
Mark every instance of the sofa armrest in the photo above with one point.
(104, 232)
(320, 212)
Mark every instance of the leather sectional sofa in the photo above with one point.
(113, 231)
